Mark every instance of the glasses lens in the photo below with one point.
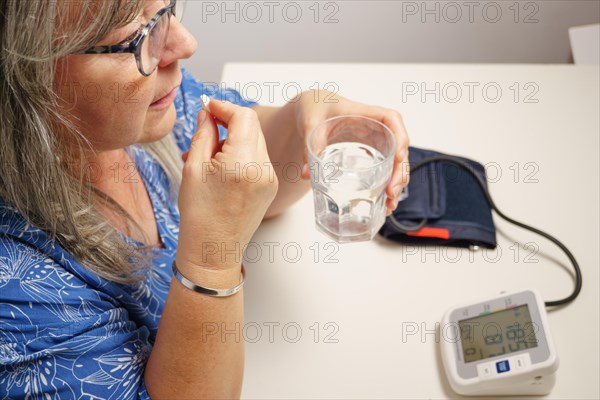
(180, 10)
(154, 44)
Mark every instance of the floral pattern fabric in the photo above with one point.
(65, 332)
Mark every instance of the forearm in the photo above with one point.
(286, 149)
(199, 351)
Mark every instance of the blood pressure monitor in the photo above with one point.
(499, 346)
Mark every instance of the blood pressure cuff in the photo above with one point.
(445, 205)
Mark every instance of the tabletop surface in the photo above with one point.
(324, 320)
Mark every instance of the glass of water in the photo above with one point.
(351, 160)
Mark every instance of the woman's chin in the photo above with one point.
(159, 125)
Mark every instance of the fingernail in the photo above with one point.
(202, 117)
(396, 191)
(305, 170)
(205, 99)
(184, 156)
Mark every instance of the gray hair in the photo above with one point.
(34, 34)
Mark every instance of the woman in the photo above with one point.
(96, 202)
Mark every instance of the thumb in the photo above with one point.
(305, 167)
(314, 140)
(204, 142)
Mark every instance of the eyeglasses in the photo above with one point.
(148, 43)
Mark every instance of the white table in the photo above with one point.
(374, 293)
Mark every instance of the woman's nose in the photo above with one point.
(180, 44)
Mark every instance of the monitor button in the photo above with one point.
(520, 362)
(485, 370)
(502, 366)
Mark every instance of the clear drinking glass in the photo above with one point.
(351, 160)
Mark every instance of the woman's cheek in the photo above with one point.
(107, 97)
(110, 124)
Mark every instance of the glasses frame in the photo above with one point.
(133, 44)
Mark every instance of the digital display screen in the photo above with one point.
(497, 333)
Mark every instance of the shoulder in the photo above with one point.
(28, 273)
(20, 254)
(15, 254)
(57, 328)
(27, 253)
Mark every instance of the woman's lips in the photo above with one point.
(165, 101)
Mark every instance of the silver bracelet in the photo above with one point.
(211, 292)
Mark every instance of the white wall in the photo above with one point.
(506, 31)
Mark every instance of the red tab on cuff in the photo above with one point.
(431, 232)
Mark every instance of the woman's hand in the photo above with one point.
(225, 191)
(313, 107)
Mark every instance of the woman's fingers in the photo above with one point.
(205, 140)
(401, 170)
(401, 173)
(392, 119)
(237, 119)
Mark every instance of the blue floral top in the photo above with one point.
(65, 332)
